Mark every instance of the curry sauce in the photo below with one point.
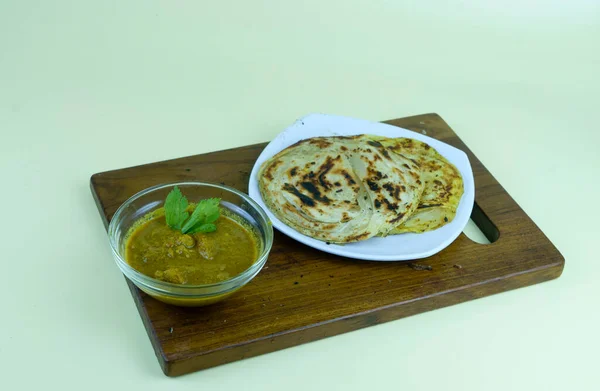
(158, 251)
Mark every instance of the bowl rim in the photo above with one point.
(156, 284)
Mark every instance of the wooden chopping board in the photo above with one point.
(303, 295)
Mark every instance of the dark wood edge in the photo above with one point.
(139, 303)
(358, 321)
(98, 202)
(136, 293)
(104, 173)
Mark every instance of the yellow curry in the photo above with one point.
(158, 251)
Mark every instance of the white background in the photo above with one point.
(89, 86)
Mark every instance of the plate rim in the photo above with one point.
(467, 198)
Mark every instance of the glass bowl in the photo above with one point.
(153, 198)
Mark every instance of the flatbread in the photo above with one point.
(341, 189)
(443, 185)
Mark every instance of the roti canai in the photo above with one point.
(341, 189)
(443, 185)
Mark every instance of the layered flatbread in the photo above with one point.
(443, 185)
(341, 189)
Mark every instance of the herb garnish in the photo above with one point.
(202, 218)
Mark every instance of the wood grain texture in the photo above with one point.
(303, 294)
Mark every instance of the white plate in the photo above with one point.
(391, 248)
